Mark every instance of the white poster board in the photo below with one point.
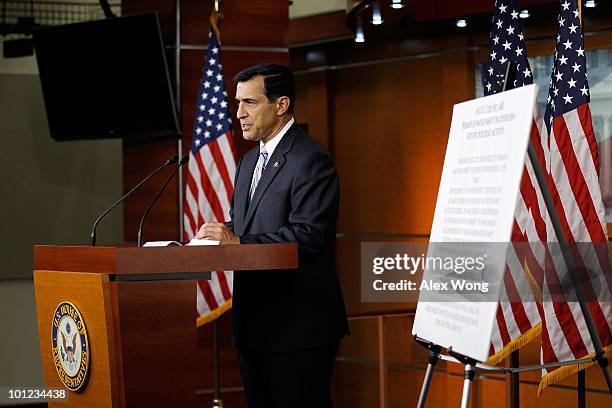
(476, 203)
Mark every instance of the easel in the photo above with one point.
(434, 356)
(471, 364)
(470, 369)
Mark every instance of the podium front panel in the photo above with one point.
(89, 293)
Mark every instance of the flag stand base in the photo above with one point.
(453, 357)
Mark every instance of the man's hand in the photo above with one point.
(218, 232)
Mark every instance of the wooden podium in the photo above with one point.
(139, 310)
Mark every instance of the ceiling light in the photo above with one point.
(397, 4)
(359, 37)
(461, 23)
(376, 14)
(524, 14)
(590, 3)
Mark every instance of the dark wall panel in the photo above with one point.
(257, 23)
(389, 129)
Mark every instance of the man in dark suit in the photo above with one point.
(287, 325)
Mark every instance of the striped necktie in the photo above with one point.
(261, 165)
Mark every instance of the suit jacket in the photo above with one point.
(296, 200)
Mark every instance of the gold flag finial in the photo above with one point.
(215, 19)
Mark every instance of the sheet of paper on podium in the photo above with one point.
(475, 209)
(193, 242)
(202, 242)
(157, 244)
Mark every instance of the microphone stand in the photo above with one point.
(184, 160)
(92, 237)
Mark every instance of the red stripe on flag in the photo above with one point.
(190, 217)
(191, 185)
(584, 113)
(219, 160)
(536, 141)
(589, 292)
(208, 295)
(559, 207)
(230, 142)
(531, 202)
(564, 315)
(191, 223)
(518, 311)
(576, 180)
(535, 269)
(208, 189)
(501, 324)
(548, 353)
(517, 235)
(225, 290)
(600, 323)
(570, 329)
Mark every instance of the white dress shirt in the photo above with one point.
(272, 143)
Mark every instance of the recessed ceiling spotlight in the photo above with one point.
(359, 36)
(590, 3)
(397, 4)
(376, 14)
(524, 14)
(461, 23)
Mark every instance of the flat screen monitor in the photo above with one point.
(106, 79)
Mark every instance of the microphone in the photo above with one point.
(92, 237)
(184, 160)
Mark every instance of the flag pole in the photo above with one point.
(581, 385)
(514, 385)
(216, 402)
(215, 21)
(581, 389)
(179, 142)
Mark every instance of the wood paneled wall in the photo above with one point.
(389, 106)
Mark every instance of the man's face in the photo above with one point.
(258, 117)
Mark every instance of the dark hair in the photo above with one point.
(278, 81)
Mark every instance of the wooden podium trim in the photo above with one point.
(145, 277)
(134, 260)
(73, 258)
(206, 258)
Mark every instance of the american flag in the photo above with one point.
(573, 170)
(516, 322)
(210, 178)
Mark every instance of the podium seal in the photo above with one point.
(70, 346)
